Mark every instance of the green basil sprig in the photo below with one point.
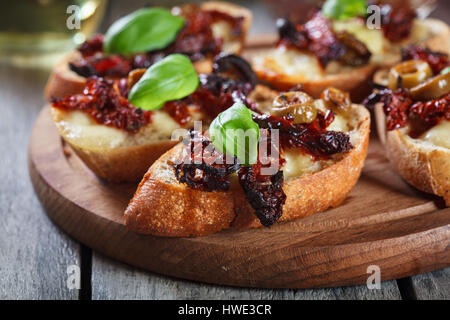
(172, 78)
(344, 9)
(143, 30)
(235, 133)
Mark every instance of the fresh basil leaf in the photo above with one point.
(445, 70)
(172, 78)
(235, 133)
(143, 30)
(344, 9)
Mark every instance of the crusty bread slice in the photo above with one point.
(162, 206)
(421, 163)
(117, 155)
(429, 32)
(63, 81)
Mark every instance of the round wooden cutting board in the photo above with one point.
(383, 222)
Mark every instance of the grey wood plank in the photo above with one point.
(432, 285)
(34, 254)
(115, 280)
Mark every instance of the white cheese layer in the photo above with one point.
(79, 128)
(299, 163)
(439, 135)
(291, 63)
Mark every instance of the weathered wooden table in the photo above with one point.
(35, 254)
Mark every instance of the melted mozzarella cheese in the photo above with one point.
(372, 38)
(439, 135)
(223, 30)
(339, 124)
(299, 163)
(292, 63)
(79, 128)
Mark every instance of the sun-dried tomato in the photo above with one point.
(104, 66)
(204, 168)
(91, 46)
(397, 21)
(105, 105)
(264, 193)
(178, 110)
(196, 40)
(400, 110)
(209, 170)
(436, 60)
(425, 115)
(312, 138)
(214, 95)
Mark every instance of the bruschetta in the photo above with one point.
(322, 145)
(325, 52)
(413, 119)
(210, 28)
(119, 141)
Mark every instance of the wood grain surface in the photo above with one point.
(383, 222)
(34, 253)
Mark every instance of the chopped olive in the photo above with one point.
(134, 77)
(336, 100)
(295, 105)
(432, 88)
(409, 74)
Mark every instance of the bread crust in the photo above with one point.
(426, 168)
(63, 81)
(354, 82)
(162, 206)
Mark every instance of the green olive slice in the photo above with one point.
(336, 100)
(432, 88)
(295, 105)
(409, 74)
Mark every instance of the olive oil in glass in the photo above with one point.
(33, 29)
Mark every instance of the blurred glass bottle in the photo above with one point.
(33, 31)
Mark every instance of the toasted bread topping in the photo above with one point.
(317, 36)
(397, 21)
(200, 170)
(102, 100)
(415, 98)
(196, 40)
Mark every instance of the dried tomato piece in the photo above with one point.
(204, 167)
(436, 60)
(312, 138)
(400, 110)
(178, 110)
(425, 115)
(91, 46)
(395, 106)
(322, 40)
(263, 192)
(397, 21)
(106, 106)
(112, 65)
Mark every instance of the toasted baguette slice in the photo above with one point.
(164, 207)
(117, 155)
(420, 162)
(284, 68)
(64, 82)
